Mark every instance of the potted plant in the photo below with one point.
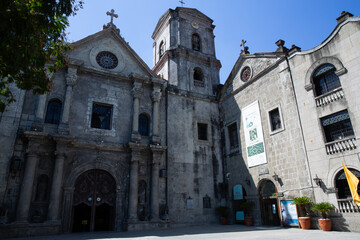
(323, 208)
(248, 206)
(224, 213)
(304, 219)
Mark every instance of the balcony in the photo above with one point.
(347, 206)
(329, 97)
(341, 145)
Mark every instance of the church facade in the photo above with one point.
(118, 146)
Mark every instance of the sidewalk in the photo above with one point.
(209, 232)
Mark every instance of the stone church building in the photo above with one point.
(118, 146)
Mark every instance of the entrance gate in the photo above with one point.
(94, 202)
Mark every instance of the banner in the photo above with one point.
(353, 182)
(254, 138)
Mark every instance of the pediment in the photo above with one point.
(246, 70)
(106, 51)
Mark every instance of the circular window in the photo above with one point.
(107, 60)
(245, 74)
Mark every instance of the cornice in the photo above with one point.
(328, 39)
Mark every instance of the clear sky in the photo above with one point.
(305, 23)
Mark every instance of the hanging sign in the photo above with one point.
(254, 138)
(238, 193)
(289, 213)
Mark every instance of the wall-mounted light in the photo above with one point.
(227, 176)
(317, 180)
(275, 177)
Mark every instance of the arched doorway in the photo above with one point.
(342, 186)
(269, 204)
(94, 202)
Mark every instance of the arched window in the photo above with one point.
(196, 42)
(144, 125)
(342, 185)
(53, 111)
(198, 77)
(325, 79)
(161, 48)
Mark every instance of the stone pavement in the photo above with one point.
(209, 232)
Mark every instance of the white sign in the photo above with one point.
(254, 138)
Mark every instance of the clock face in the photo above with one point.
(245, 74)
(107, 60)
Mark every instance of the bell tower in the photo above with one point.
(184, 51)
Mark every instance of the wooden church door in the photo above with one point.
(94, 202)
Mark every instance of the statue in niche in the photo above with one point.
(42, 188)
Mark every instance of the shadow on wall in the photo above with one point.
(238, 186)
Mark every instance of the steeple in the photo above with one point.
(184, 50)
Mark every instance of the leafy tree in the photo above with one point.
(32, 35)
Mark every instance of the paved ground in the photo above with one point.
(209, 232)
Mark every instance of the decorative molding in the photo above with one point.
(340, 69)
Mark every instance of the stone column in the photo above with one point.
(157, 153)
(156, 96)
(71, 78)
(133, 192)
(53, 213)
(27, 184)
(155, 186)
(68, 202)
(137, 92)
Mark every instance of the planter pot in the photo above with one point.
(249, 221)
(325, 224)
(224, 221)
(305, 222)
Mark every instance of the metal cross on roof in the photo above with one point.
(182, 3)
(112, 15)
(243, 44)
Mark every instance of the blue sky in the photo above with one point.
(305, 23)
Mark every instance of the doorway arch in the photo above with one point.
(94, 202)
(269, 203)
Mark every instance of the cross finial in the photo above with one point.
(243, 44)
(245, 49)
(182, 3)
(112, 15)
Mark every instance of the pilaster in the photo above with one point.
(156, 97)
(137, 91)
(27, 185)
(71, 78)
(61, 149)
(157, 153)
